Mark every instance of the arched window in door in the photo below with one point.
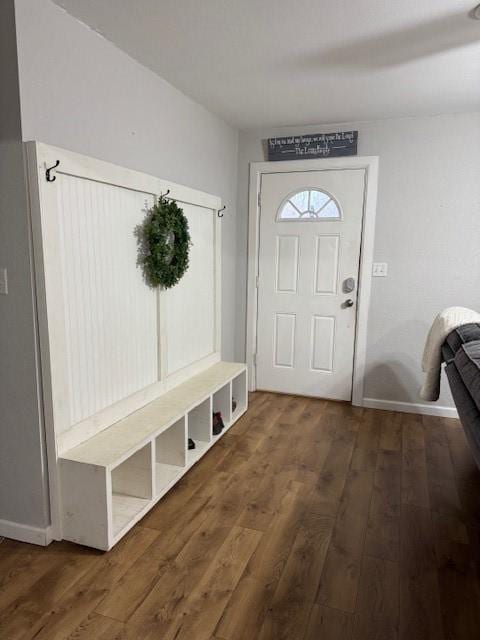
(309, 204)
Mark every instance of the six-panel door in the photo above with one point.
(310, 233)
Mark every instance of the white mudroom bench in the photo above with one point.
(111, 480)
(129, 371)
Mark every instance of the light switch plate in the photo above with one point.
(3, 282)
(380, 269)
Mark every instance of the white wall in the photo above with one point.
(428, 230)
(80, 92)
(23, 477)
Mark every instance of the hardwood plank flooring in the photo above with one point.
(309, 520)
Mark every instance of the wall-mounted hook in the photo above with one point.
(48, 177)
(220, 211)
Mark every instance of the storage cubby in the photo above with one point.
(199, 422)
(170, 455)
(239, 394)
(111, 480)
(117, 427)
(131, 488)
(222, 403)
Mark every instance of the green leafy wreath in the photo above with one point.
(164, 243)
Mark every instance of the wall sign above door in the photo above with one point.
(315, 145)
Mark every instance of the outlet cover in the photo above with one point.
(380, 269)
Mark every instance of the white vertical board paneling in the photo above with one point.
(189, 307)
(100, 332)
(110, 314)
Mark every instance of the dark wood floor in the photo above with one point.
(309, 520)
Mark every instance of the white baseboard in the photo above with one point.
(411, 407)
(25, 533)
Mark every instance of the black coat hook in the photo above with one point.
(48, 177)
(220, 211)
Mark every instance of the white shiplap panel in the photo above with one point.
(189, 307)
(110, 314)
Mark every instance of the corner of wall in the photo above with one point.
(23, 478)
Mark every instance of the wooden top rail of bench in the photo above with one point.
(112, 445)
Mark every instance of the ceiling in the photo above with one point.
(287, 62)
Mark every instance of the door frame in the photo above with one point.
(370, 165)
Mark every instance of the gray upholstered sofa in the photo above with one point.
(461, 353)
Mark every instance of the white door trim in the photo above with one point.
(257, 169)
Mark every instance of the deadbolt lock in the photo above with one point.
(348, 285)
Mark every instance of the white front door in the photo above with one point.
(309, 253)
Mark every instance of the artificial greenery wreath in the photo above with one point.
(164, 240)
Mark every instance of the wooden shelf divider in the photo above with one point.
(110, 481)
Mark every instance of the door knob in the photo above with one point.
(348, 303)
